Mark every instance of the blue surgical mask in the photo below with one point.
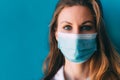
(77, 48)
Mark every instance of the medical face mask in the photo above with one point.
(77, 48)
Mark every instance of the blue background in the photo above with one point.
(24, 35)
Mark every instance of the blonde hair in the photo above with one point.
(104, 64)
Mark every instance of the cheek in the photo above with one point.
(95, 29)
(92, 31)
(59, 28)
(56, 35)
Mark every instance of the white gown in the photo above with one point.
(60, 75)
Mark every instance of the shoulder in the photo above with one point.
(59, 75)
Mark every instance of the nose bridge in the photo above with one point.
(76, 29)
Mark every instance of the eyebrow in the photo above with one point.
(88, 21)
(66, 22)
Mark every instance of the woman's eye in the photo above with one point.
(85, 28)
(68, 27)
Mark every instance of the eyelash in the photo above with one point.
(67, 27)
(85, 28)
(82, 28)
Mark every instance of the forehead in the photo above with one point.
(75, 13)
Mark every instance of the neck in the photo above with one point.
(73, 71)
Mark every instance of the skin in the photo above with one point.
(75, 20)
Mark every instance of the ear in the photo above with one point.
(56, 35)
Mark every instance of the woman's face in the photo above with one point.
(76, 20)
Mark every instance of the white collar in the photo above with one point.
(59, 75)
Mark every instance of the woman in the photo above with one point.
(79, 46)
